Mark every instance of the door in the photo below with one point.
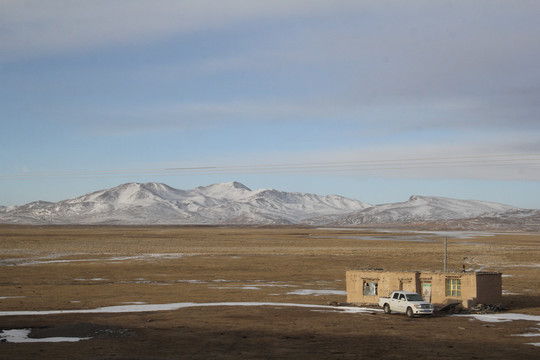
(401, 304)
(426, 291)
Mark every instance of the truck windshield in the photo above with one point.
(414, 297)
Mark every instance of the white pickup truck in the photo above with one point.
(406, 302)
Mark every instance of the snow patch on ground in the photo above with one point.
(176, 306)
(11, 297)
(522, 266)
(494, 318)
(502, 317)
(135, 303)
(54, 259)
(250, 285)
(376, 238)
(317, 292)
(21, 336)
(245, 287)
(507, 292)
(529, 334)
(535, 334)
(93, 279)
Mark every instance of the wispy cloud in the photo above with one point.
(433, 65)
(37, 27)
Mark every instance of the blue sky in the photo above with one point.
(374, 100)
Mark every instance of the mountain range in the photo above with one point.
(234, 203)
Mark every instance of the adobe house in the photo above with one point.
(440, 288)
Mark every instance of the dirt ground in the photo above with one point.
(76, 268)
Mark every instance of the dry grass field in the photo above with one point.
(82, 268)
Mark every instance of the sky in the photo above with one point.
(375, 100)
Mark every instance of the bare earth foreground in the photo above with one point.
(221, 281)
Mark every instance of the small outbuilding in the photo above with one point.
(364, 287)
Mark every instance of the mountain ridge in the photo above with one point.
(235, 203)
(156, 203)
(423, 208)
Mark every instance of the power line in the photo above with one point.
(303, 167)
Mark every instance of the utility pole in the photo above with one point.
(445, 253)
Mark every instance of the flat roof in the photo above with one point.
(432, 271)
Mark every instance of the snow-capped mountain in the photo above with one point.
(234, 203)
(153, 203)
(422, 208)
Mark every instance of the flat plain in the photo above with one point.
(235, 290)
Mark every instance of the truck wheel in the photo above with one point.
(387, 309)
(410, 312)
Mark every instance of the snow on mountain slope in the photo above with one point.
(306, 204)
(153, 203)
(132, 193)
(422, 208)
(224, 191)
(521, 219)
(234, 203)
(278, 207)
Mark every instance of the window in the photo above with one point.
(414, 297)
(370, 288)
(453, 287)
